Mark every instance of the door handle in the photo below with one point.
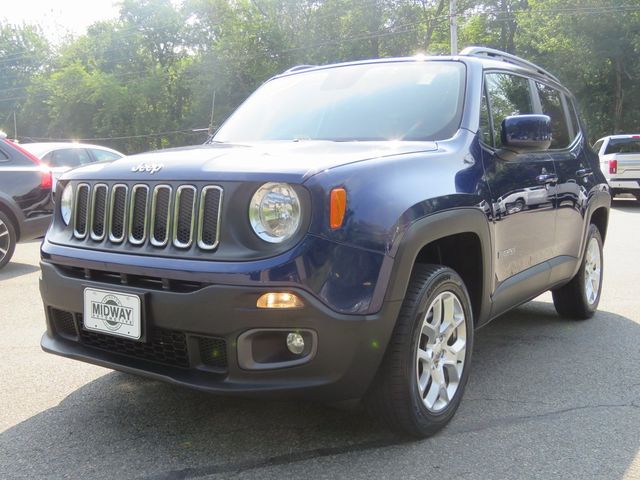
(584, 172)
(547, 178)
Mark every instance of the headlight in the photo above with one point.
(66, 204)
(274, 212)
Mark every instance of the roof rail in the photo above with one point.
(298, 68)
(505, 57)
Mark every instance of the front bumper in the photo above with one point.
(348, 351)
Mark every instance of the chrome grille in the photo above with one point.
(138, 214)
(210, 200)
(117, 213)
(184, 216)
(163, 216)
(99, 212)
(160, 210)
(81, 211)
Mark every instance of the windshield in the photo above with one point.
(381, 101)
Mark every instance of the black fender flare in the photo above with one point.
(601, 199)
(435, 227)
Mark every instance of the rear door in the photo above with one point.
(574, 169)
(521, 191)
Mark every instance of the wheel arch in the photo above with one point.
(600, 218)
(10, 212)
(459, 239)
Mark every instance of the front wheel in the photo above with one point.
(580, 297)
(422, 377)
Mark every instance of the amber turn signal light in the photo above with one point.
(279, 300)
(338, 207)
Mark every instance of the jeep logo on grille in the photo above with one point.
(111, 311)
(147, 167)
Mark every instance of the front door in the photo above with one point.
(522, 190)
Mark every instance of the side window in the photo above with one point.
(508, 95)
(102, 155)
(485, 124)
(3, 157)
(597, 146)
(551, 102)
(70, 157)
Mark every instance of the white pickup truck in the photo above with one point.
(620, 162)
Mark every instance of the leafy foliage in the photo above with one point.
(146, 79)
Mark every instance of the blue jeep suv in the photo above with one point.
(339, 238)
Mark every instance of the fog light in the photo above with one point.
(295, 343)
(279, 300)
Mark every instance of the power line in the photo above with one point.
(190, 131)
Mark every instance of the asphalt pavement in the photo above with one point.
(547, 398)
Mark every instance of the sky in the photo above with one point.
(58, 18)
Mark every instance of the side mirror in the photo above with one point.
(525, 133)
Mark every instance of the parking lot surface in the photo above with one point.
(547, 398)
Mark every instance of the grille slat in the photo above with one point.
(138, 214)
(164, 216)
(160, 209)
(209, 218)
(184, 216)
(117, 213)
(81, 211)
(99, 212)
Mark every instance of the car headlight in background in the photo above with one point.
(66, 204)
(274, 212)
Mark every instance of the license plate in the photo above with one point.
(114, 313)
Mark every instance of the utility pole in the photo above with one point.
(213, 105)
(453, 27)
(15, 127)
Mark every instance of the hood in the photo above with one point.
(288, 161)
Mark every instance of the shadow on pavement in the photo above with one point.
(626, 204)
(531, 372)
(15, 269)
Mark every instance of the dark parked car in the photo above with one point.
(61, 157)
(26, 205)
(340, 237)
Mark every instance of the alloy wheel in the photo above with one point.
(5, 239)
(441, 350)
(592, 271)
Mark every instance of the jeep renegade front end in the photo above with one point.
(340, 237)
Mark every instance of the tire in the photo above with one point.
(8, 239)
(579, 298)
(395, 395)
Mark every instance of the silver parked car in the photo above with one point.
(64, 156)
(620, 163)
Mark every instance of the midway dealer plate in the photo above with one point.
(114, 313)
